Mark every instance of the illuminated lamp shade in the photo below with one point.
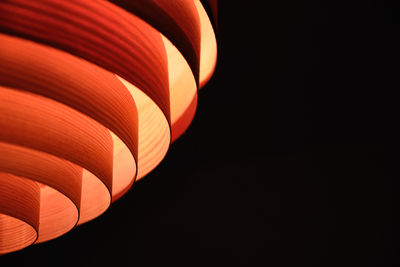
(92, 93)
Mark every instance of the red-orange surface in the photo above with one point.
(92, 93)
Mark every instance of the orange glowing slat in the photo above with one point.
(92, 93)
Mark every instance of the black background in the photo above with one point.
(291, 159)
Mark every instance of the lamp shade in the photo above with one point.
(92, 93)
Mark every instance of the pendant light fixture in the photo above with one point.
(92, 93)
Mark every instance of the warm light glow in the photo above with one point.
(208, 56)
(92, 93)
